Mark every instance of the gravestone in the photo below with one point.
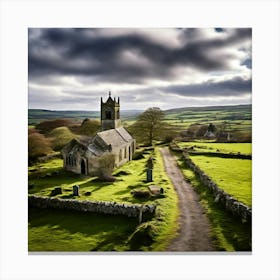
(56, 191)
(156, 190)
(75, 190)
(150, 166)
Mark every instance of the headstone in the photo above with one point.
(56, 190)
(149, 175)
(76, 190)
(150, 163)
(155, 190)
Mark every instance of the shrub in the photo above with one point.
(60, 137)
(144, 235)
(46, 127)
(38, 145)
(89, 127)
(105, 168)
(138, 155)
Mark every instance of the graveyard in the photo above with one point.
(130, 187)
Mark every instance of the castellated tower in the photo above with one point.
(110, 113)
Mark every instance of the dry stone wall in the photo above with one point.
(112, 208)
(234, 206)
(175, 147)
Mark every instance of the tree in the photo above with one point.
(149, 126)
(38, 145)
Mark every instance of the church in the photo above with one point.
(81, 156)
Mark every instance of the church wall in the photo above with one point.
(120, 160)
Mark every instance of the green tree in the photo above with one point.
(150, 126)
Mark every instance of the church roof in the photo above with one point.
(124, 134)
(115, 137)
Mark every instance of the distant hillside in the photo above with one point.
(238, 115)
(37, 115)
(237, 118)
(210, 108)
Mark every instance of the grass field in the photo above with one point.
(232, 175)
(45, 176)
(238, 118)
(228, 232)
(58, 230)
(243, 148)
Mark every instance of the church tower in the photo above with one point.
(110, 113)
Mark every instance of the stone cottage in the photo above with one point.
(81, 155)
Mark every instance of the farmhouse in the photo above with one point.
(81, 156)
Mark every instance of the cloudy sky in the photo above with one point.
(70, 69)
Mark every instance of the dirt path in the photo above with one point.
(193, 223)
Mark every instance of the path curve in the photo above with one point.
(194, 230)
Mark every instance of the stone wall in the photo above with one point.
(146, 212)
(222, 155)
(175, 147)
(236, 207)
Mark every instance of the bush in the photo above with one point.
(106, 164)
(138, 155)
(38, 145)
(89, 127)
(60, 137)
(144, 235)
(46, 127)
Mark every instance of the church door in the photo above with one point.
(83, 167)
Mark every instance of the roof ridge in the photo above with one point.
(120, 134)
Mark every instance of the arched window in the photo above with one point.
(125, 152)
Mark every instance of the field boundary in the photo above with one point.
(143, 212)
(234, 206)
(175, 147)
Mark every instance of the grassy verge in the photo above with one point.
(232, 175)
(230, 234)
(150, 236)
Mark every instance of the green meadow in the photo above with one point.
(44, 177)
(234, 176)
(243, 148)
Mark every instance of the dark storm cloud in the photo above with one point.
(75, 52)
(233, 87)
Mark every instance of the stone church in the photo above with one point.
(81, 156)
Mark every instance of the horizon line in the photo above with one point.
(199, 106)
